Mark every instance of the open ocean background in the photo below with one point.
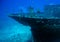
(9, 28)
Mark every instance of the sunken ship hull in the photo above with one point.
(43, 30)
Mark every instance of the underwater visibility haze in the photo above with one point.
(11, 29)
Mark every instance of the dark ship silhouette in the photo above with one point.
(45, 26)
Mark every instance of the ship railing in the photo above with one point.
(34, 16)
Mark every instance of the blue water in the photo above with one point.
(8, 26)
